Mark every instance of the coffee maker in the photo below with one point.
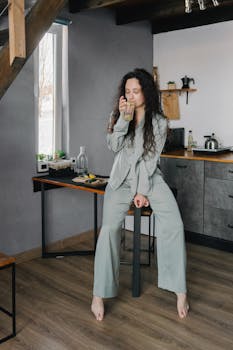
(186, 81)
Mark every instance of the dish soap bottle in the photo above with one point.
(190, 140)
(82, 162)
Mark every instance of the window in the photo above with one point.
(51, 87)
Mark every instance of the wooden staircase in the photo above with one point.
(37, 22)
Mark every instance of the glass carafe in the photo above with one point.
(82, 162)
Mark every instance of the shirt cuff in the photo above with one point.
(121, 124)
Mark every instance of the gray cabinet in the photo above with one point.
(205, 194)
(218, 203)
(222, 171)
(187, 176)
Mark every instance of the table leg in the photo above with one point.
(13, 301)
(43, 220)
(136, 253)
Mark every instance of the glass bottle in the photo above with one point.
(190, 140)
(82, 162)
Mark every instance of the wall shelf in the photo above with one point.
(179, 91)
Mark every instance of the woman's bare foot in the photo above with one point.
(182, 305)
(97, 307)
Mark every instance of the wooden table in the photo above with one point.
(44, 183)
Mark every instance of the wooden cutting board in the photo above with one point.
(170, 105)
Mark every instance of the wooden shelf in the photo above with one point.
(178, 90)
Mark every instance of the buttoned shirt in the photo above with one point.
(129, 161)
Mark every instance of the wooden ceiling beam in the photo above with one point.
(38, 21)
(16, 30)
(76, 6)
(193, 19)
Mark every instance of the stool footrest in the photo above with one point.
(6, 311)
(7, 338)
(122, 262)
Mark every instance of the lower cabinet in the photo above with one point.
(218, 223)
(204, 195)
(218, 203)
(187, 176)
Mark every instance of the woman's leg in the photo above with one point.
(107, 256)
(171, 253)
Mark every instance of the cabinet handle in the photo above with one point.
(230, 196)
(230, 226)
(230, 171)
(181, 166)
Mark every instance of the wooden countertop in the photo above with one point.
(226, 157)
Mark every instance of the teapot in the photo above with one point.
(211, 142)
(186, 81)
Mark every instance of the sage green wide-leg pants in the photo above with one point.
(171, 255)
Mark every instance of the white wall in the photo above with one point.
(205, 54)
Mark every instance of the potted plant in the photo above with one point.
(171, 85)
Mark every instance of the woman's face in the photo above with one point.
(133, 92)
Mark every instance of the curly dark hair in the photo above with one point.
(152, 106)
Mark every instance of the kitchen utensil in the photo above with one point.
(211, 142)
(186, 81)
(96, 182)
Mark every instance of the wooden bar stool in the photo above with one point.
(9, 262)
(145, 212)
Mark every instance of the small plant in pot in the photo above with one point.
(171, 85)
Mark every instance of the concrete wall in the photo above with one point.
(19, 206)
(99, 54)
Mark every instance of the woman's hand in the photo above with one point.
(122, 104)
(141, 201)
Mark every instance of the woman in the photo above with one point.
(135, 176)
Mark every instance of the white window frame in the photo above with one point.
(61, 105)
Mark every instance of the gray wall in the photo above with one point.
(19, 206)
(99, 54)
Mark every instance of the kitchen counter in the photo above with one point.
(226, 157)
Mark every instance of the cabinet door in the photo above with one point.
(222, 171)
(219, 193)
(187, 176)
(218, 223)
(218, 207)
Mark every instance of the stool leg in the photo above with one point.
(149, 242)
(153, 235)
(136, 280)
(13, 302)
(123, 236)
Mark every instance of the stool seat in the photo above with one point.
(6, 260)
(145, 211)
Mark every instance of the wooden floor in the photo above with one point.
(53, 307)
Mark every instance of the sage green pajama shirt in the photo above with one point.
(131, 174)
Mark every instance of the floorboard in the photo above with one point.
(54, 295)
